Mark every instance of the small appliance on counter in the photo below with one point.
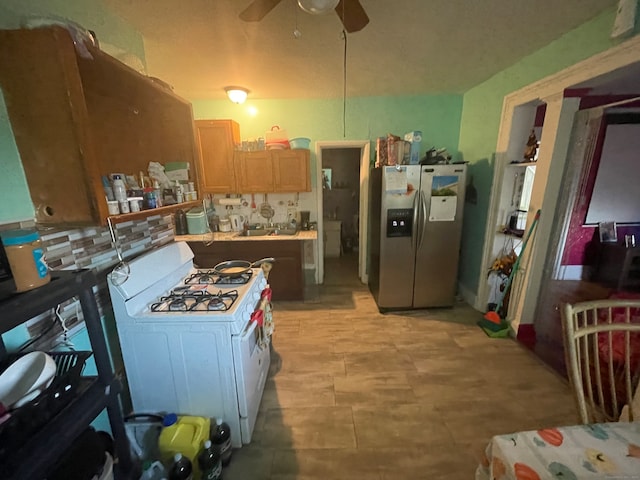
(197, 221)
(237, 222)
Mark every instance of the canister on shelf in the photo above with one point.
(26, 259)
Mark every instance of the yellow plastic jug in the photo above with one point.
(185, 435)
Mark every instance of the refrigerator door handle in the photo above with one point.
(423, 222)
(415, 231)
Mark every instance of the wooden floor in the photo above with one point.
(411, 395)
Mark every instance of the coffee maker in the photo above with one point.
(304, 219)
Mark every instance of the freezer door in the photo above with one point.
(397, 232)
(441, 200)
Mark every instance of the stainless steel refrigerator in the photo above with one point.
(415, 232)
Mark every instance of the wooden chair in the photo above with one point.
(602, 352)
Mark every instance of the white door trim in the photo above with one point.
(365, 154)
(551, 87)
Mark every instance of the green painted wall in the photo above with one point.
(466, 124)
(91, 14)
(481, 113)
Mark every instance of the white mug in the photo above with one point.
(237, 222)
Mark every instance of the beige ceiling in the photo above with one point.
(409, 46)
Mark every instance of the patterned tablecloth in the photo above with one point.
(603, 451)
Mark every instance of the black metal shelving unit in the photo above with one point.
(47, 445)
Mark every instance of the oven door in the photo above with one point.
(251, 363)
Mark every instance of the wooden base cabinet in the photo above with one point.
(286, 278)
(76, 118)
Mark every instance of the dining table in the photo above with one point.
(576, 452)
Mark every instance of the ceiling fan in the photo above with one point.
(351, 13)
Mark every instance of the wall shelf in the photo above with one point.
(165, 210)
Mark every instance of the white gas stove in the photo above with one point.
(188, 343)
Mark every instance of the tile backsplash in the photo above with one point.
(281, 203)
(91, 247)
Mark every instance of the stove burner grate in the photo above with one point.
(183, 299)
(210, 277)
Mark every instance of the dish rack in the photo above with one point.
(31, 417)
(47, 426)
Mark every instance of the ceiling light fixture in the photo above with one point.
(318, 7)
(236, 94)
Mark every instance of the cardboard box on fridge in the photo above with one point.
(415, 140)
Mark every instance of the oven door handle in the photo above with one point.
(263, 339)
(252, 326)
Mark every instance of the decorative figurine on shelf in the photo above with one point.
(531, 150)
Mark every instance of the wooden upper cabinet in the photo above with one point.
(255, 172)
(291, 170)
(76, 118)
(267, 171)
(217, 140)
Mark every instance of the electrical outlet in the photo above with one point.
(291, 214)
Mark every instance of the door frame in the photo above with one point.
(365, 155)
(552, 156)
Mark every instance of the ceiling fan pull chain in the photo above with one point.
(344, 87)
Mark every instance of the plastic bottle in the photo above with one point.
(153, 471)
(181, 468)
(183, 434)
(210, 462)
(180, 220)
(221, 438)
(150, 198)
(158, 193)
(179, 192)
(119, 189)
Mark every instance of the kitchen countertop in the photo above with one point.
(235, 237)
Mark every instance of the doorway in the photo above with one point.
(613, 68)
(342, 179)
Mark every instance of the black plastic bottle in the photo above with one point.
(210, 462)
(221, 438)
(180, 220)
(181, 468)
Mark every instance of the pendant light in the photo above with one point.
(318, 7)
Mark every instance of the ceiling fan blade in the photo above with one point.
(257, 10)
(353, 16)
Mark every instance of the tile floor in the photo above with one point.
(410, 395)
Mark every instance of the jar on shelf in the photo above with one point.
(26, 259)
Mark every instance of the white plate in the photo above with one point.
(26, 378)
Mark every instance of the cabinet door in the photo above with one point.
(76, 119)
(291, 170)
(44, 98)
(216, 141)
(255, 172)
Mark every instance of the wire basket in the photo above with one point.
(32, 416)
